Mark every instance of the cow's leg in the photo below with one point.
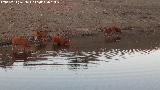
(13, 47)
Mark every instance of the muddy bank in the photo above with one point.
(129, 40)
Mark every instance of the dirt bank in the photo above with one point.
(72, 14)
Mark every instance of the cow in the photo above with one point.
(20, 41)
(112, 33)
(112, 30)
(40, 35)
(61, 41)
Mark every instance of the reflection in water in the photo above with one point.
(74, 60)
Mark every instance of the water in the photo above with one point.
(121, 65)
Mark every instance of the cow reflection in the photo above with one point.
(6, 63)
(24, 54)
(78, 66)
(5, 60)
(20, 55)
(78, 63)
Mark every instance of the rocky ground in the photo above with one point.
(76, 14)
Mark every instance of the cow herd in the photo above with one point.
(39, 38)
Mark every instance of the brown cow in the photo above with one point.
(112, 30)
(112, 33)
(41, 35)
(60, 41)
(20, 41)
